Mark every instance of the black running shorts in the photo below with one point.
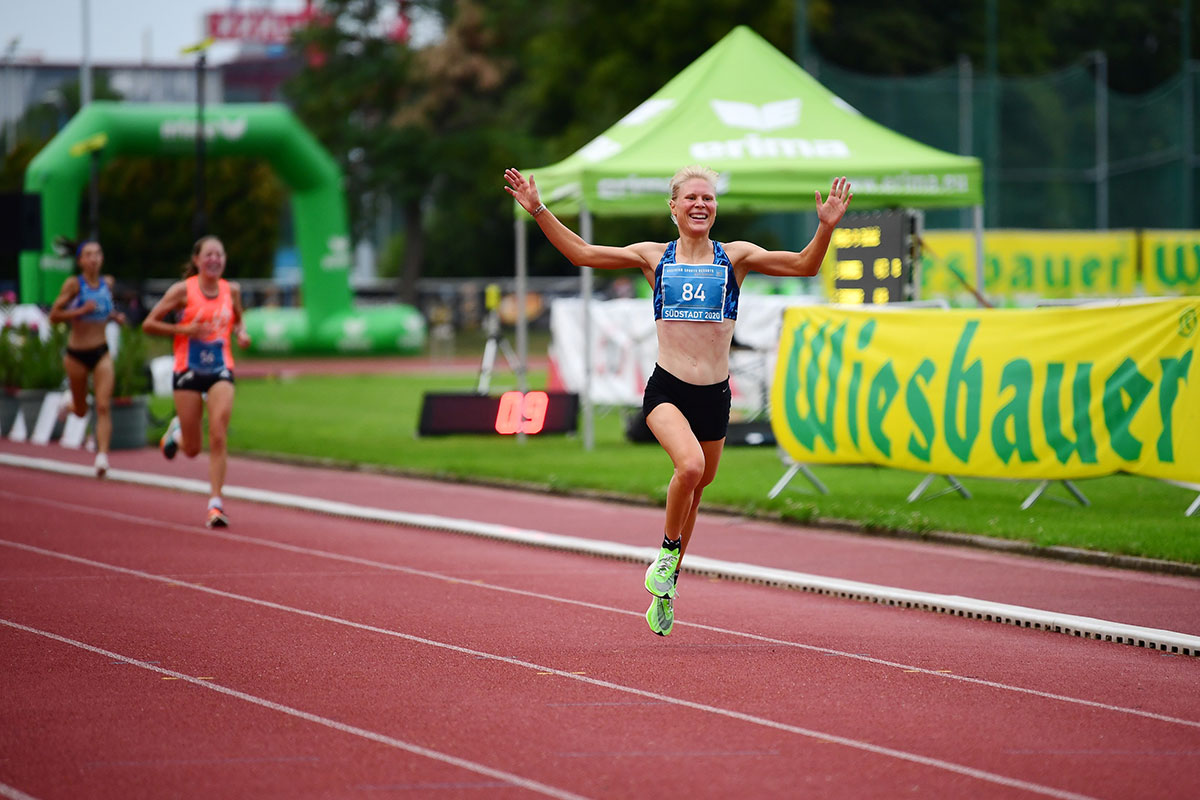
(192, 381)
(89, 357)
(706, 408)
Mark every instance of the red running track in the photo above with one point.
(300, 655)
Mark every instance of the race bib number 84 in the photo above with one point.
(693, 292)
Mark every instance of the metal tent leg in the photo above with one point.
(1041, 489)
(782, 483)
(1083, 501)
(1192, 487)
(955, 486)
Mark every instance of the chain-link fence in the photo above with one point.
(1059, 150)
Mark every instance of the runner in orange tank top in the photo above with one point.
(209, 312)
(210, 352)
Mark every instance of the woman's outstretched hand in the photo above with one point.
(523, 191)
(831, 211)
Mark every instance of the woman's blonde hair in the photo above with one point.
(694, 171)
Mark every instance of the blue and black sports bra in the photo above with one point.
(101, 295)
(697, 292)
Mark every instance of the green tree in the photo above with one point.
(398, 119)
(148, 234)
(1141, 38)
(588, 64)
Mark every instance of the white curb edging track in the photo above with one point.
(955, 605)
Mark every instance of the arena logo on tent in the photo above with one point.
(767, 117)
(231, 129)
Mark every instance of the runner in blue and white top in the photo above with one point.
(86, 303)
(696, 283)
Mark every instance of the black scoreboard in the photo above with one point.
(510, 413)
(875, 254)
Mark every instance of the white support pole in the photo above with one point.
(11, 95)
(966, 131)
(521, 257)
(585, 293)
(522, 242)
(1101, 140)
(85, 63)
(979, 265)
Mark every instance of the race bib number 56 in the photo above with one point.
(206, 357)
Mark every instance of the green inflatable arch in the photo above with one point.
(328, 322)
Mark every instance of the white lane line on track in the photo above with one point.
(971, 608)
(399, 744)
(856, 744)
(382, 565)
(13, 793)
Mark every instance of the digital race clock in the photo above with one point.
(512, 412)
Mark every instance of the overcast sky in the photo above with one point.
(126, 31)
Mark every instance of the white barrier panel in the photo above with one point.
(46, 418)
(50, 413)
(74, 431)
(624, 347)
(161, 371)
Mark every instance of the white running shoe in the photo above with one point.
(169, 443)
(101, 464)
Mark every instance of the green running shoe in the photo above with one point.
(661, 615)
(660, 576)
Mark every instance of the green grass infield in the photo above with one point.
(372, 420)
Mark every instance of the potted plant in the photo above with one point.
(9, 367)
(39, 367)
(131, 388)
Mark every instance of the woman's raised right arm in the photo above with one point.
(565, 240)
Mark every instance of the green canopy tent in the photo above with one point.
(773, 133)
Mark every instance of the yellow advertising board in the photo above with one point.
(1171, 262)
(1052, 393)
(1022, 266)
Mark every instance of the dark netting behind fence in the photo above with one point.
(1059, 150)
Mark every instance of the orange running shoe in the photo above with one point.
(216, 518)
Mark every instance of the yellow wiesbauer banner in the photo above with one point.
(1171, 262)
(1055, 393)
(1023, 266)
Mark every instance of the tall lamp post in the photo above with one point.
(92, 147)
(200, 218)
(10, 102)
(1188, 201)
